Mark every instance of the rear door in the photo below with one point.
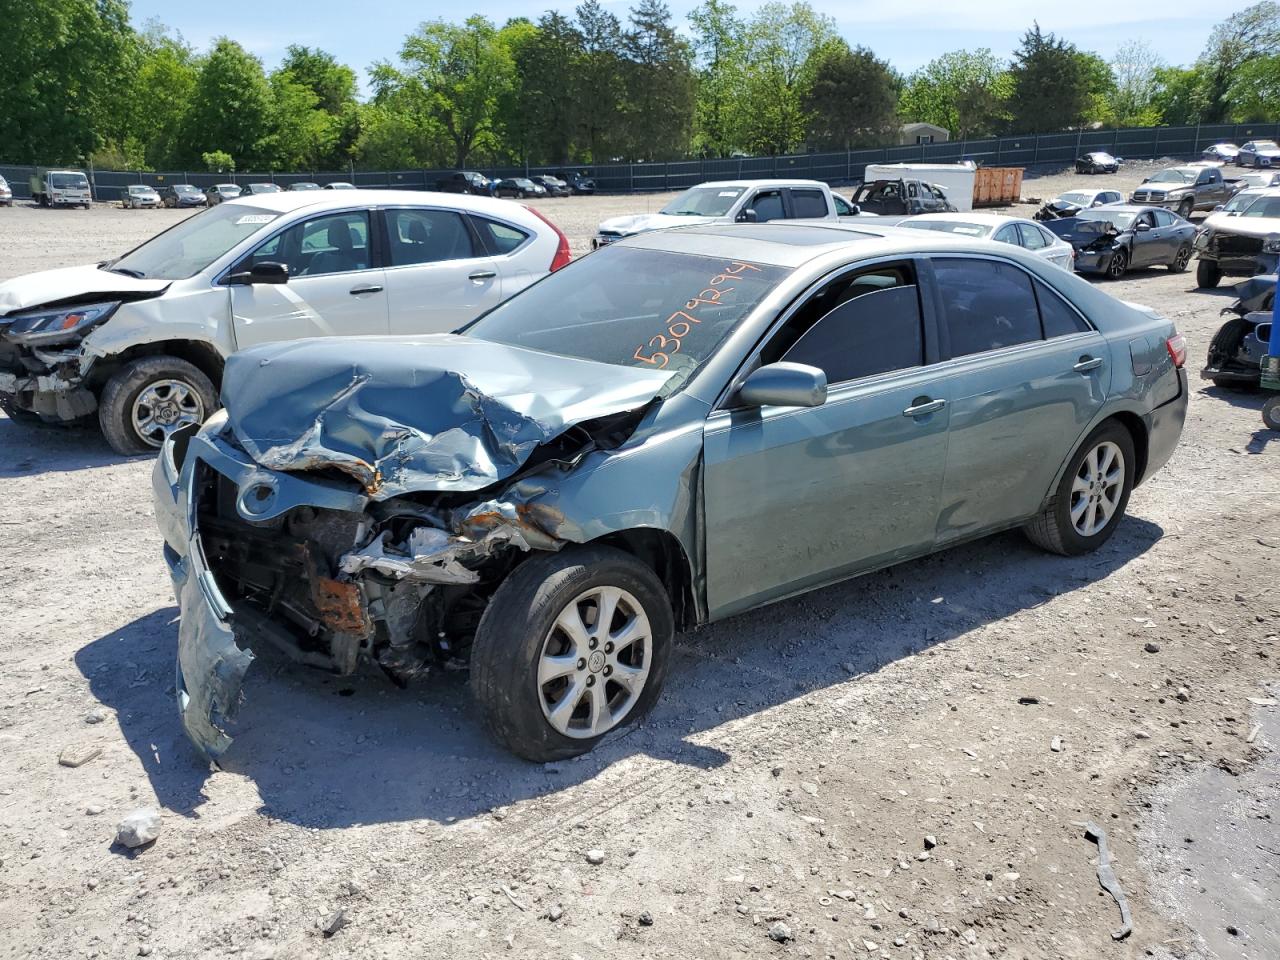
(439, 274)
(335, 286)
(1027, 374)
(808, 203)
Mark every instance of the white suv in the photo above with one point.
(141, 339)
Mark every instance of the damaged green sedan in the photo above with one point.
(677, 428)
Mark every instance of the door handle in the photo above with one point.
(1087, 363)
(482, 275)
(924, 407)
(371, 288)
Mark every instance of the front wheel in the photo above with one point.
(1185, 209)
(1181, 260)
(1091, 497)
(1271, 413)
(1208, 275)
(149, 398)
(1118, 264)
(573, 645)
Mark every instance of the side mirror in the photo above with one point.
(268, 271)
(1219, 207)
(1146, 179)
(785, 385)
(748, 216)
(1143, 227)
(855, 209)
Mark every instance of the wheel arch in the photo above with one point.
(1137, 428)
(662, 552)
(201, 355)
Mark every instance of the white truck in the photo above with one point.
(60, 188)
(734, 201)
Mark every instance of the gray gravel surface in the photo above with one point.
(787, 781)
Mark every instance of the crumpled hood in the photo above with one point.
(72, 284)
(416, 414)
(640, 222)
(1244, 226)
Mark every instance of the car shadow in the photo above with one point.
(1245, 399)
(329, 752)
(53, 448)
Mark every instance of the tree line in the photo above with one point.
(83, 85)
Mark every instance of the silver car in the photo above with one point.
(139, 197)
(680, 427)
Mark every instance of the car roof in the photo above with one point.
(763, 182)
(994, 219)
(1125, 208)
(286, 201)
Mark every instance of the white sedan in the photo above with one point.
(141, 339)
(992, 226)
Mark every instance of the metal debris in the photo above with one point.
(1107, 878)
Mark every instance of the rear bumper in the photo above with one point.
(1164, 427)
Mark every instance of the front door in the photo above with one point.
(1148, 245)
(796, 497)
(333, 290)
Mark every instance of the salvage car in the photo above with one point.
(1243, 244)
(1236, 350)
(1184, 189)
(518, 188)
(678, 428)
(140, 340)
(303, 185)
(904, 197)
(992, 226)
(221, 192)
(6, 193)
(1114, 239)
(1259, 153)
(578, 181)
(1222, 152)
(1266, 178)
(260, 189)
(1097, 161)
(466, 181)
(554, 186)
(339, 185)
(1072, 202)
(182, 195)
(140, 197)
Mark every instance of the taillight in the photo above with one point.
(1177, 347)
(563, 257)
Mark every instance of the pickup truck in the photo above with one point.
(1185, 189)
(903, 197)
(733, 201)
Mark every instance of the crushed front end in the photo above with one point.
(43, 380)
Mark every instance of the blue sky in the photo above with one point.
(908, 33)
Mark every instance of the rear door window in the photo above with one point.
(808, 204)
(500, 237)
(1059, 318)
(427, 236)
(986, 305)
(768, 206)
(1033, 237)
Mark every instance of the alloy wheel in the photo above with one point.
(594, 662)
(162, 407)
(1115, 269)
(1097, 489)
(1182, 259)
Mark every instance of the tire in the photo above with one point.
(1271, 412)
(1186, 208)
(519, 627)
(123, 394)
(1208, 275)
(1117, 265)
(1235, 386)
(1181, 260)
(1053, 529)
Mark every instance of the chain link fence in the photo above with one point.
(1042, 150)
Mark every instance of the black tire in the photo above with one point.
(1181, 260)
(518, 620)
(1186, 208)
(115, 405)
(1117, 265)
(1052, 528)
(1235, 386)
(1208, 275)
(1271, 412)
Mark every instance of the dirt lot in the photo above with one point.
(858, 770)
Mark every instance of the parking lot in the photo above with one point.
(898, 766)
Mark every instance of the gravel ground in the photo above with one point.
(855, 773)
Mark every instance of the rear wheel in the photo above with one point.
(1117, 265)
(1208, 275)
(573, 645)
(149, 398)
(1091, 497)
(1271, 412)
(1181, 260)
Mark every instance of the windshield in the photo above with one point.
(185, 188)
(1265, 145)
(193, 244)
(1239, 202)
(703, 202)
(633, 308)
(1173, 176)
(1078, 199)
(1117, 219)
(71, 181)
(951, 226)
(1263, 207)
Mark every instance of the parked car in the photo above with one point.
(1236, 350)
(1259, 153)
(1097, 161)
(679, 428)
(1112, 240)
(465, 181)
(303, 185)
(578, 181)
(729, 201)
(554, 186)
(1223, 152)
(1266, 178)
(6, 193)
(222, 191)
(1243, 244)
(519, 187)
(992, 226)
(260, 189)
(1184, 189)
(139, 196)
(340, 185)
(140, 340)
(1073, 201)
(182, 195)
(901, 197)
(60, 188)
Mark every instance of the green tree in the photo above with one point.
(600, 76)
(1051, 84)
(332, 135)
(1181, 95)
(719, 49)
(231, 108)
(853, 99)
(964, 91)
(302, 134)
(333, 83)
(659, 84)
(1254, 91)
(160, 95)
(1134, 68)
(1244, 36)
(549, 100)
(218, 161)
(1099, 87)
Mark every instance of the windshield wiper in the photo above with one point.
(136, 274)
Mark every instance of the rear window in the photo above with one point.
(500, 237)
(650, 309)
